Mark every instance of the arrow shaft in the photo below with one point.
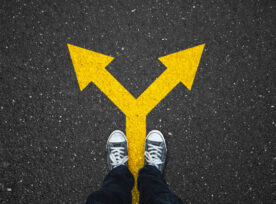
(113, 90)
(136, 135)
(158, 90)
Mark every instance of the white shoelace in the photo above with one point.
(117, 156)
(153, 155)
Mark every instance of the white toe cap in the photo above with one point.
(155, 136)
(117, 136)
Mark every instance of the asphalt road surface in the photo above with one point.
(220, 135)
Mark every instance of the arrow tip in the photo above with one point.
(87, 64)
(184, 64)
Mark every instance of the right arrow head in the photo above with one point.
(184, 64)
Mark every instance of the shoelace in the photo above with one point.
(153, 155)
(117, 156)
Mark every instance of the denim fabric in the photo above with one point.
(117, 186)
(153, 188)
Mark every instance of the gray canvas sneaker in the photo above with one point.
(155, 150)
(117, 149)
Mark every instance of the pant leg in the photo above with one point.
(153, 188)
(116, 188)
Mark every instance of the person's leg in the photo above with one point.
(116, 188)
(153, 188)
(118, 183)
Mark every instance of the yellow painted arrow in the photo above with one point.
(90, 66)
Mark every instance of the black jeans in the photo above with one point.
(118, 183)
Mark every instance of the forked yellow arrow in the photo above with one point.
(91, 67)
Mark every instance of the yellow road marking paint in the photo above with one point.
(90, 67)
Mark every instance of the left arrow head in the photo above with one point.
(87, 64)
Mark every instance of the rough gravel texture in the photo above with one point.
(220, 135)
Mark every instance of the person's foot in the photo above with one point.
(155, 150)
(117, 149)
